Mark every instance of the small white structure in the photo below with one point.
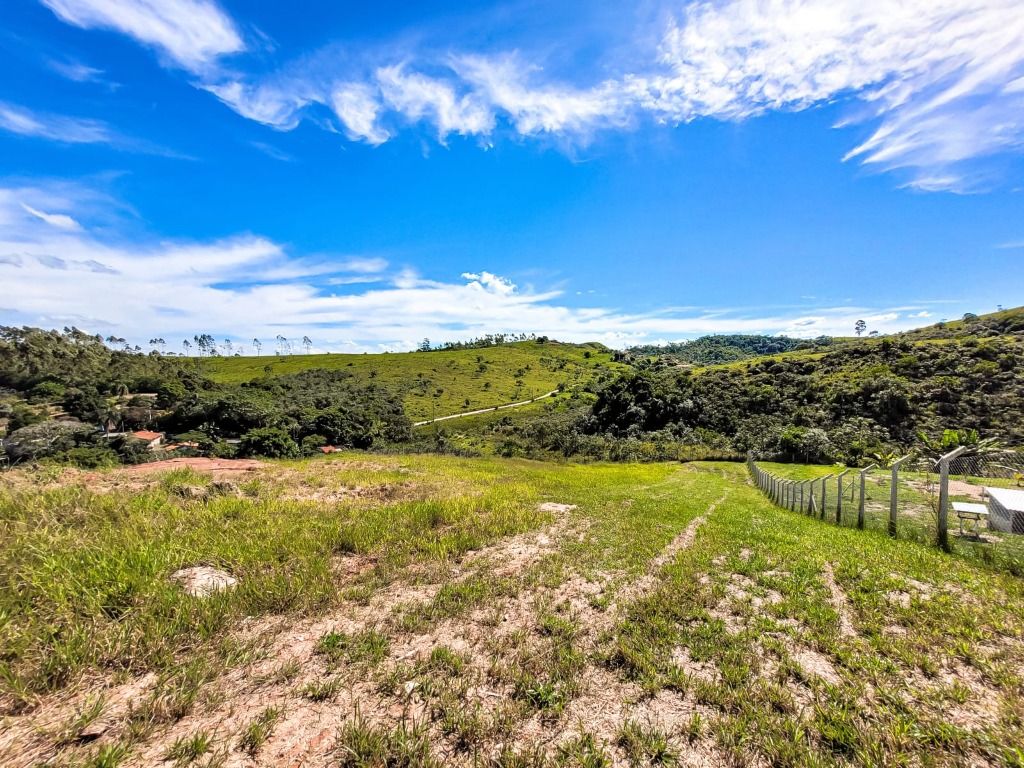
(151, 439)
(973, 513)
(1006, 510)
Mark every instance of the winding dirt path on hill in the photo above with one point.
(485, 410)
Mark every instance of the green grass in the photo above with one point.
(444, 382)
(738, 637)
(917, 508)
(258, 730)
(874, 710)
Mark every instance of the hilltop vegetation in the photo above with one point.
(843, 401)
(439, 382)
(828, 400)
(725, 348)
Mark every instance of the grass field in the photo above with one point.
(443, 382)
(422, 610)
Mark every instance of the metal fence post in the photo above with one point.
(839, 496)
(894, 495)
(943, 531)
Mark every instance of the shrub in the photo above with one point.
(271, 442)
(44, 439)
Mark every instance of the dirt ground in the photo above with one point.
(198, 463)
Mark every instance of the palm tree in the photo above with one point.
(187, 345)
(307, 343)
(258, 346)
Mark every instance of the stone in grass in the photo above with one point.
(225, 488)
(203, 580)
(191, 492)
(551, 506)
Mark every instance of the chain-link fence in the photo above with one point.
(966, 502)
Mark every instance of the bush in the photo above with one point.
(46, 392)
(88, 457)
(45, 439)
(311, 444)
(23, 416)
(271, 442)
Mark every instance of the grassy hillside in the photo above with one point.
(441, 382)
(429, 611)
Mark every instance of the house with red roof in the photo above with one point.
(152, 439)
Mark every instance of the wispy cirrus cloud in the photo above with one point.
(56, 273)
(45, 125)
(58, 220)
(77, 71)
(65, 129)
(191, 34)
(939, 84)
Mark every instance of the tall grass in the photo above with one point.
(84, 576)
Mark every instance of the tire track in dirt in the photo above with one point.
(839, 602)
(608, 701)
(679, 544)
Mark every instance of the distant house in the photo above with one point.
(152, 439)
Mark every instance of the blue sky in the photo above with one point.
(369, 175)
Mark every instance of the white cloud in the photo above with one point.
(419, 97)
(191, 33)
(934, 73)
(264, 103)
(487, 281)
(939, 82)
(71, 130)
(58, 220)
(271, 151)
(501, 82)
(247, 285)
(358, 108)
(76, 71)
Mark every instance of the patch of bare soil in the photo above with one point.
(816, 664)
(839, 602)
(29, 740)
(384, 493)
(913, 589)
(198, 463)
(307, 730)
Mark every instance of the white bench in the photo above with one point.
(972, 512)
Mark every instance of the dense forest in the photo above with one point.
(725, 348)
(71, 397)
(846, 401)
(67, 396)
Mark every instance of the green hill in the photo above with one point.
(440, 382)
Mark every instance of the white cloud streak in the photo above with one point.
(940, 82)
(192, 34)
(58, 275)
(58, 220)
(69, 130)
(357, 106)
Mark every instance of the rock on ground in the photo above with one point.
(203, 580)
